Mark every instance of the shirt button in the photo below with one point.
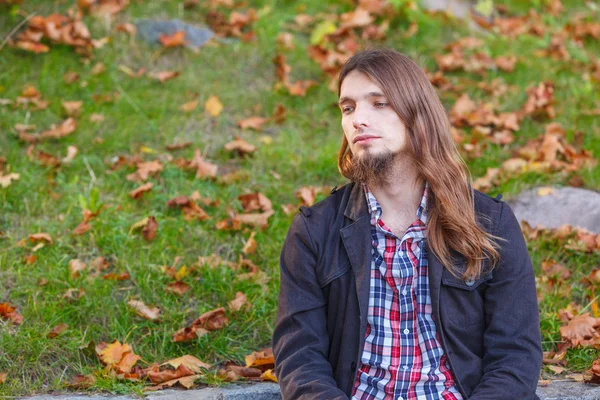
(406, 331)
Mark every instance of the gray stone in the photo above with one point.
(262, 391)
(556, 390)
(569, 390)
(149, 30)
(568, 205)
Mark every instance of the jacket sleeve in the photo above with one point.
(512, 342)
(300, 339)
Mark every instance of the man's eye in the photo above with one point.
(381, 104)
(346, 109)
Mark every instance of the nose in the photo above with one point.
(360, 118)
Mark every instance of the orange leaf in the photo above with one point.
(40, 237)
(269, 375)
(149, 231)
(173, 40)
(75, 267)
(189, 107)
(178, 288)
(263, 359)
(189, 362)
(140, 190)
(10, 313)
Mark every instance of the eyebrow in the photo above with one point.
(370, 94)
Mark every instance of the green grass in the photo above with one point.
(302, 152)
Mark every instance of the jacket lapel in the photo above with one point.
(435, 269)
(357, 241)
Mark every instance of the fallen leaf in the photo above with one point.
(240, 146)
(178, 288)
(262, 359)
(250, 246)
(72, 108)
(176, 39)
(255, 202)
(82, 228)
(204, 169)
(209, 321)
(57, 330)
(163, 76)
(269, 375)
(6, 180)
(189, 106)
(75, 267)
(213, 106)
(70, 77)
(144, 311)
(82, 381)
(73, 294)
(254, 123)
(580, 330)
(190, 362)
(140, 190)
(113, 276)
(144, 170)
(117, 356)
(40, 237)
(240, 301)
(10, 313)
(149, 230)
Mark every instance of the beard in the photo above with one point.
(372, 169)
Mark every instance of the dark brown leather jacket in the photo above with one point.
(489, 327)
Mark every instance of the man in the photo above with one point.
(406, 283)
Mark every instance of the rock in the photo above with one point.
(553, 207)
(568, 390)
(149, 31)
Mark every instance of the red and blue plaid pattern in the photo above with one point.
(402, 357)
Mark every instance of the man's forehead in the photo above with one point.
(360, 95)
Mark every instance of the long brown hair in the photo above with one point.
(451, 221)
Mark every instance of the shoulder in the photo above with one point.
(488, 210)
(328, 207)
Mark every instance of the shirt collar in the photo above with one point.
(375, 208)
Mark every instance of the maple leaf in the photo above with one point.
(188, 361)
(262, 359)
(255, 201)
(581, 330)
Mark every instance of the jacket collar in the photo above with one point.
(357, 204)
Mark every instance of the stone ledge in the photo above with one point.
(557, 390)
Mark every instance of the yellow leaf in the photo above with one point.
(182, 273)
(138, 225)
(213, 106)
(545, 191)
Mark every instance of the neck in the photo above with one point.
(401, 191)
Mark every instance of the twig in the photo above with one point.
(15, 29)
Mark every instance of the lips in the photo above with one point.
(364, 137)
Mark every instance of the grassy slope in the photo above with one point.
(302, 153)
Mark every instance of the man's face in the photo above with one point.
(371, 126)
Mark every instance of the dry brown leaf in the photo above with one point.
(144, 170)
(163, 76)
(190, 362)
(581, 330)
(113, 276)
(254, 219)
(67, 127)
(187, 382)
(170, 374)
(189, 107)
(70, 77)
(73, 294)
(209, 321)
(75, 267)
(149, 231)
(240, 146)
(118, 357)
(140, 190)
(240, 301)
(6, 180)
(57, 330)
(72, 108)
(255, 202)
(178, 288)
(254, 123)
(82, 381)
(40, 237)
(144, 311)
(204, 169)
(250, 246)
(82, 228)
(269, 375)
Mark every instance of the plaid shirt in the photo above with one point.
(402, 357)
